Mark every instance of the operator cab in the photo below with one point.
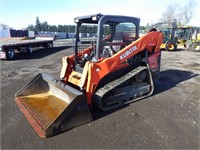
(99, 36)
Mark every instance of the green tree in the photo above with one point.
(44, 26)
(30, 27)
(37, 24)
(53, 28)
(60, 28)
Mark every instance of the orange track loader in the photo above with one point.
(111, 66)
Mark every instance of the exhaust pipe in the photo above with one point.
(52, 106)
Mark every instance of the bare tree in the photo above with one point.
(170, 13)
(187, 12)
(3, 26)
(183, 14)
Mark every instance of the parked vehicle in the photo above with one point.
(168, 28)
(108, 70)
(189, 36)
(8, 46)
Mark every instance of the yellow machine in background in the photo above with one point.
(189, 36)
(174, 35)
(168, 28)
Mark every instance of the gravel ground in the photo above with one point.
(169, 119)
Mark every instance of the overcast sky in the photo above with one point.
(19, 13)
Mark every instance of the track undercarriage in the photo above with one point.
(135, 85)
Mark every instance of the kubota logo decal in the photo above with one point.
(128, 52)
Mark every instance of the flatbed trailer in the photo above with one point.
(8, 46)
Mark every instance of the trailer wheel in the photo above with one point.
(170, 46)
(196, 47)
(29, 49)
(10, 53)
(48, 45)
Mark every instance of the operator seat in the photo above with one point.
(116, 43)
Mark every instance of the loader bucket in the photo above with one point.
(52, 106)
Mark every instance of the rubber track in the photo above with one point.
(112, 85)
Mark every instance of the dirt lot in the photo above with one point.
(169, 119)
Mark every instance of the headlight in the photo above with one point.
(76, 20)
(0, 49)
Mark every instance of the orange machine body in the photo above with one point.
(93, 72)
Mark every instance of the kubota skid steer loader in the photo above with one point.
(111, 67)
